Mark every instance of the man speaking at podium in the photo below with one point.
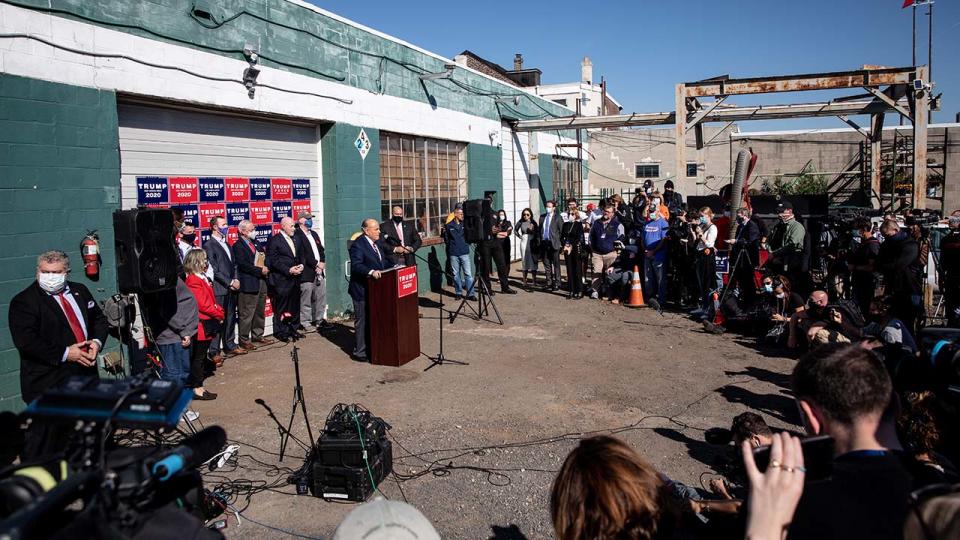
(368, 257)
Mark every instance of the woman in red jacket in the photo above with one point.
(211, 317)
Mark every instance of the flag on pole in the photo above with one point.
(907, 3)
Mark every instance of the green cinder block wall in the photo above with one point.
(59, 178)
(351, 193)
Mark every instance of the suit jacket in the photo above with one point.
(224, 271)
(363, 259)
(391, 239)
(305, 254)
(280, 260)
(41, 333)
(248, 273)
(555, 220)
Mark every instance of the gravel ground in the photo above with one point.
(555, 370)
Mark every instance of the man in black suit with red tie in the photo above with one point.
(368, 258)
(58, 329)
(283, 281)
(401, 238)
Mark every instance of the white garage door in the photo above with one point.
(516, 178)
(210, 164)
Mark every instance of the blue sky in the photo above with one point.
(643, 48)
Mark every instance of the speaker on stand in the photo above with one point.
(147, 257)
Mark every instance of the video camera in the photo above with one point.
(98, 488)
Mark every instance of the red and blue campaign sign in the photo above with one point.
(204, 237)
(281, 209)
(281, 188)
(301, 188)
(263, 233)
(237, 189)
(237, 212)
(261, 212)
(191, 214)
(233, 234)
(208, 211)
(183, 190)
(274, 229)
(300, 206)
(151, 190)
(211, 189)
(259, 189)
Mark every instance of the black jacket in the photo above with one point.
(748, 238)
(411, 239)
(224, 271)
(897, 261)
(363, 260)
(248, 273)
(280, 260)
(41, 334)
(305, 254)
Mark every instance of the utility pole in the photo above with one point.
(930, 50)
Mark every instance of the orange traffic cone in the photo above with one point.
(636, 291)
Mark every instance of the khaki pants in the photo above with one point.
(313, 301)
(600, 264)
(251, 306)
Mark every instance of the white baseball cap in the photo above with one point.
(381, 519)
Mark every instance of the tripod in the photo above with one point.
(484, 298)
(285, 434)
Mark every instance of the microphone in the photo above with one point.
(194, 451)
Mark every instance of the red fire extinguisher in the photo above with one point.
(90, 252)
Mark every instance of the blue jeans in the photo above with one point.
(653, 271)
(176, 362)
(462, 276)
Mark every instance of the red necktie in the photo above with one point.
(72, 317)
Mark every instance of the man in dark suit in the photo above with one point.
(225, 287)
(313, 280)
(58, 329)
(283, 283)
(252, 273)
(367, 259)
(550, 244)
(401, 238)
(746, 255)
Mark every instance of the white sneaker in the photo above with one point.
(594, 295)
(191, 416)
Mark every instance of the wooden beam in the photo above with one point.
(701, 114)
(797, 83)
(680, 132)
(854, 125)
(721, 114)
(920, 115)
(889, 101)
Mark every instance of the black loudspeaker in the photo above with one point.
(803, 205)
(147, 258)
(473, 215)
(714, 202)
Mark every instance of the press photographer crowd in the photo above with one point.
(876, 383)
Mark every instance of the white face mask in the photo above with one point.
(51, 282)
(550, 210)
(781, 295)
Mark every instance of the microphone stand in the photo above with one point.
(439, 359)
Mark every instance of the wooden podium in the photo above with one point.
(393, 317)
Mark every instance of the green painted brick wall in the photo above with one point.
(59, 162)
(297, 39)
(484, 170)
(351, 193)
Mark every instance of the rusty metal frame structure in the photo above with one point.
(904, 91)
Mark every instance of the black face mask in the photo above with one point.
(188, 238)
(398, 219)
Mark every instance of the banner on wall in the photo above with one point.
(281, 189)
(151, 190)
(237, 189)
(301, 188)
(211, 190)
(300, 206)
(237, 212)
(191, 213)
(183, 190)
(259, 189)
(281, 209)
(261, 212)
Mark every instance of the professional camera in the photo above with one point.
(96, 488)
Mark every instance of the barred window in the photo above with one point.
(648, 170)
(566, 178)
(425, 177)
